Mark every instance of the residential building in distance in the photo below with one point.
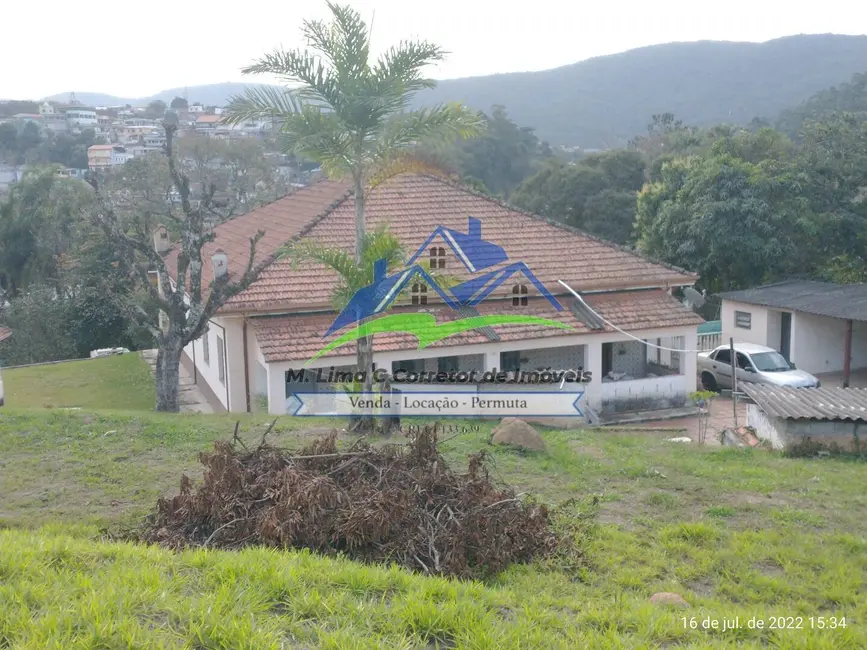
(24, 118)
(207, 124)
(81, 117)
(99, 156)
(119, 155)
(53, 119)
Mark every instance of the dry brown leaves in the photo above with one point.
(398, 503)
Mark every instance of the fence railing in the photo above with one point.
(709, 340)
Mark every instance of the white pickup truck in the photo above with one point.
(755, 363)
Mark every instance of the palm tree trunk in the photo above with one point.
(364, 345)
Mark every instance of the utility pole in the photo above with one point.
(734, 380)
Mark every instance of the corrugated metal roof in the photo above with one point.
(471, 312)
(584, 315)
(809, 403)
(847, 301)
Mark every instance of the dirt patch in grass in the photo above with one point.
(587, 450)
(769, 568)
(701, 586)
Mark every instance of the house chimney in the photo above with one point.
(220, 262)
(162, 243)
(474, 228)
(379, 270)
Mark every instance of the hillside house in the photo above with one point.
(99, 156)
(819, 326)
(506, 262)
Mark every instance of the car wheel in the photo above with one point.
(708, 382)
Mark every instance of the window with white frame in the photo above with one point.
(206, 347)
(743, 319)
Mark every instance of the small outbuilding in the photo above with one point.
(828, 416)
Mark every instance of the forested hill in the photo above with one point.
(849, 97)
(605, 101)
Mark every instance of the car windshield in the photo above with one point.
(770, 362)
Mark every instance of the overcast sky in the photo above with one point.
(129, 49)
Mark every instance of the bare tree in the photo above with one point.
(186, 304)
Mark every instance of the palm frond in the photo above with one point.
(349, 44)
(379, 244)
(318, 84)
(262, 102)
(397, 73)
(406, 162)
(320, 136)
(444, 122)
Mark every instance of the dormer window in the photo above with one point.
(438, 257)
(519, 295)
(419, 293)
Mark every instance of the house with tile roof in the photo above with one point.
(284, 318)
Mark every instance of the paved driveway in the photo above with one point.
(721, 417)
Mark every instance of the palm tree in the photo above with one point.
(352, 276)
(349, 112)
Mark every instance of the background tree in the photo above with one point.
(8, 142)
(241, 170)
(187, 305)
(597, 195)
(178, 102)
(58, 274)
(500, 158)
(66, 149)
(728, 219)
(37, 222)
(349, 112)
(156, 109)
(833, 176)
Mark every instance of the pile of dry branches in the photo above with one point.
(397, 503)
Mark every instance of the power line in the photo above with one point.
(612, 325)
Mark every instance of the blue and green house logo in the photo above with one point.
(489, 267)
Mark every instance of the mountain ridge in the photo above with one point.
(604, 101)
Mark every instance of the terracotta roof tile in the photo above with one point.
(299, 337)
(281, 221)
(413, 205)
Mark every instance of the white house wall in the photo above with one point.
(817, 342)
(231, 393)
(592, 359)
(758, 332)
(859, 344)
(208, 372)
(775, 328)
(820, 343)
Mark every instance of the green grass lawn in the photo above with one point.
(120, 382)
(739, 534)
